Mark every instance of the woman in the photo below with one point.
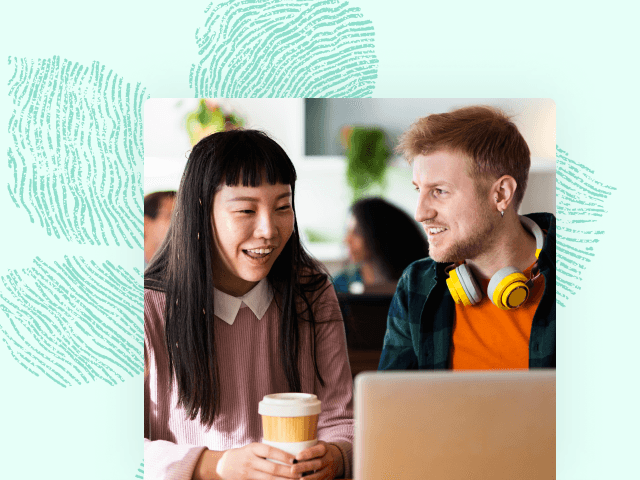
(382, 241)
(244, 312)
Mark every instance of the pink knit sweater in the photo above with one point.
(249, 369)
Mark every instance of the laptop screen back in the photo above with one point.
(454, 425)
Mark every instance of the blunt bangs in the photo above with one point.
(252, 158)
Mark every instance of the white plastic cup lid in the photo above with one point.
(289, 405)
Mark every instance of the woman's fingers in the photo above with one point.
(249, 463)
(274, 470)
(324, 474)
(318, 450)
(319, 462)
(263, 453)
(321, 467)
(309, 466)
(266, 451)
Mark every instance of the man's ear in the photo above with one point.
(503, 192)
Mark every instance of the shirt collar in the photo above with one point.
(257, 299)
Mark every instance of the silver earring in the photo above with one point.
(502, 213)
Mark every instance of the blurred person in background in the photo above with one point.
(382, 241)
(157, 217)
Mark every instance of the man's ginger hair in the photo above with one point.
(486, 135)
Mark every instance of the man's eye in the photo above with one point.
(437, 192)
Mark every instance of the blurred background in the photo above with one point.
(342, 150)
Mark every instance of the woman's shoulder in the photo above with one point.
(154, 304)
(313, 282)
(323, 300)
(308, 275)
(153, 296)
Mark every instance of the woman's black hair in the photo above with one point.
(183, 267)
(392, 237)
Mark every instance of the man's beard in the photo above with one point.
(467, 248)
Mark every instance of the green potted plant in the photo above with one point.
(367, 157)
(210, 118)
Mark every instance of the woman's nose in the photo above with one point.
(266, 227)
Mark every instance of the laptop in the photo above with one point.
(455, 425)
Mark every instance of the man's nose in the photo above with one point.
(424, 210)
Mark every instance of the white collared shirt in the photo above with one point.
(257, 299)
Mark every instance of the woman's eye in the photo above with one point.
(284, 207)
(245, 211)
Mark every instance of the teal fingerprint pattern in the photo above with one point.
(580, 202)
(74, 321)
(76, 150)
(140, 473)
(269, 48)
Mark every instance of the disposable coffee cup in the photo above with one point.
(290, 421)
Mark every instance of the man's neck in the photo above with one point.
(514, 246)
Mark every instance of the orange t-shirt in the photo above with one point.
(486, 338)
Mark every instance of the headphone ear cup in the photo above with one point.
(508, 288)
(457, 289)
(451, 283)
(469, 284)
(463, 286)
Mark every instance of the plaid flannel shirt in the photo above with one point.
(421, 316)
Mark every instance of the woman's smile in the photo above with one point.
(259, 253)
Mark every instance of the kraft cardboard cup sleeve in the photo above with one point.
(290, 421)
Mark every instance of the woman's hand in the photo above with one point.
(324, 460)
(250, 462)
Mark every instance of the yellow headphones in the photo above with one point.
(508, 288)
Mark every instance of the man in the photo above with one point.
(470, 167)
(157, 217)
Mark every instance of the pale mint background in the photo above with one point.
(582, 57)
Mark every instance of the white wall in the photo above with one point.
(164, 119)
(167, 146)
